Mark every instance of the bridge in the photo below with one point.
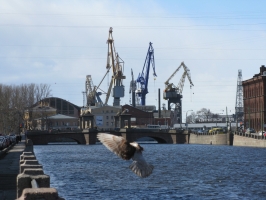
(167, 136)
(45, 137)
(89, 136)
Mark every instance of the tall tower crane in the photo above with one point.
(115, 63)
(143, 79)
(132, 89)
(173, 93)
(239, 106)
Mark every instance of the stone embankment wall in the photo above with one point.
(249, 140)
(32, 183)
(217, 139)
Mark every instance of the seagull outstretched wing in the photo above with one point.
(121, 147)
(117, 145)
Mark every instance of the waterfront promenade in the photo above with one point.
(9, 169)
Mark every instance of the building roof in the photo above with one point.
(60, 116)
(48, 98)
(104, 106)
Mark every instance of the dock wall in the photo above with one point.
(235, 139)
(249, 140)
(216, 139)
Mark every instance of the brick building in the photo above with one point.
(254, 91)
(139, 117)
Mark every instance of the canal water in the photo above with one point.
(181, 172)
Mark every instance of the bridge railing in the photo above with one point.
(259, 137)
(212, 133)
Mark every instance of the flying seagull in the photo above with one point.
(125, 150)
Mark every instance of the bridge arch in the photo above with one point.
(159, 136)
(44, 137)
(62, 138)
(157, 139)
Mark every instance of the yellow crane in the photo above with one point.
(115, 63)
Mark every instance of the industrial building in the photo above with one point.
(39, 116)
(254, 91)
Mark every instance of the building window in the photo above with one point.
(112, 117)
(112, 123)
(107, 123)
(111, 111)
(107, 117)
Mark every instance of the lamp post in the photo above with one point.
(186, 118)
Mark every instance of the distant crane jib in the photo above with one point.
(180, 85)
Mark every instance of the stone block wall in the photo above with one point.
(216, 139)
(32, 183)
(249, 141)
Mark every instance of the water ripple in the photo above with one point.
(181, 172)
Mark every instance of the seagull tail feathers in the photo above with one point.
(143, 170)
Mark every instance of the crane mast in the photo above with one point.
(115, 63)
(93, 96)
(143, 77)
(173, 93)
(90, 93)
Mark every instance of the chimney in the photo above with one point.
(159, 104)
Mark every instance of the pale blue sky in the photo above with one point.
(60, 42)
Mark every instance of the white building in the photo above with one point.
(104, 116)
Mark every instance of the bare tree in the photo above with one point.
(42, 91)
(15, 99)
(204, 114)
(191, 118)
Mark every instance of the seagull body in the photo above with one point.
(125, 150)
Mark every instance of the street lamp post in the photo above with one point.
(186, 118)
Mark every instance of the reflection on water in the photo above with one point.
(181, 172)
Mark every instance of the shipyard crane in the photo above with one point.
(93, 96)
(132, 89)
(115, 63)
(173, 93)
(143, 79)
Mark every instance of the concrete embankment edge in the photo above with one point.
(238, 139)
(32, 183)
(249, 141)
(217, 139)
